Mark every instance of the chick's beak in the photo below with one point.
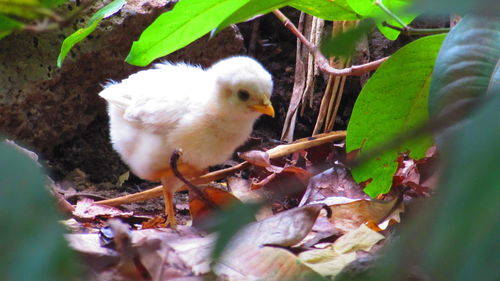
(266, 108)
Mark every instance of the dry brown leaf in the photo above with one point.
(334, 182)
(241, 189)
(86, 209)
(331, 260)
(201, 209)
(248, 262)
(261, 159)
(349, 214)
(285, 229)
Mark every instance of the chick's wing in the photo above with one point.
(158, 98)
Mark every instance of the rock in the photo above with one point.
(57, 112)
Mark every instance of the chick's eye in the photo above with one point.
(243, 95)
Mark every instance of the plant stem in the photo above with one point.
(320, 60)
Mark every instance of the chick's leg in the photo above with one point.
(170, 185)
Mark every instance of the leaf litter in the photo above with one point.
(291, 238)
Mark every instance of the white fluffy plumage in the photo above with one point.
(207, 113)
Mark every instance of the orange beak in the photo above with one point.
(266, 109)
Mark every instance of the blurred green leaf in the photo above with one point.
(368, 8)
(394, 100)
(52, 3)
(466, 62)
(29, 9)
(8, 25)
(463, 7)
(82, 33)
(33, 246)
(188, 21)
(344, 44)
(230, 222)
(329, 10)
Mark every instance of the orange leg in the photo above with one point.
(168, 196)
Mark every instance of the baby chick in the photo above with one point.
(207, 113)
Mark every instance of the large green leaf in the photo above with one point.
(7, 25)
(82, 33)
(368, 8)
(329, 10)
(188, 21)
(464, 67)
(252, 8)
(455, 236)
(33, 246)
(394, 100)
(460, 7)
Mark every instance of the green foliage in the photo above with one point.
(393, 100)
(230, 222)
(328, 10)
(462, 7)
(8, 25)
(466, 62)
(82, 33)
(51, 3)
(29, 9)
(344, 44)
(33, 246)
(455, 236)
(191, 19)
(251, 9)
(370, 9)
(188, 21)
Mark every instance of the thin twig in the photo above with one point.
(193, 188)
(408, 30)
(322, 61)
(275, 152)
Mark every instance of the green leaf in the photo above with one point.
(107, 10)
(393, 100)
(188, 21)
(29, 9)
(7, 25)
(82, 33)
(251, 9)
(329, 10)
(73, 39)
(460, 7)
(230, 222)
(52, 3)
(368, 8)
(466, 62)
(344, 44)
(33, 246)
(455, 237)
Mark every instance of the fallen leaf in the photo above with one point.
(261, 159)
(245, 258)
(87, 209)
(247, 262)
(201, 209)
(334, 182)
(331, 260)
